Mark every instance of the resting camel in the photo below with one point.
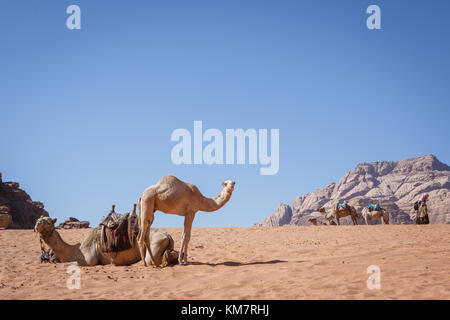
(422, 214)
(325, 221)
(368, 215)
(173, 196)
(341, 213)
(88, 252)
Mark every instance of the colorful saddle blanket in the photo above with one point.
(118, 232)
(373, 207)
(341, 206)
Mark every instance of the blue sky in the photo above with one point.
(86, 115)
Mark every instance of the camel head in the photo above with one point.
(321, 210)
(228, 185)
(45, 225)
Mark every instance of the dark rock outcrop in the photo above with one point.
(73, 223)
(5, 217)
(23, 211)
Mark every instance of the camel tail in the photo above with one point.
(139, 216)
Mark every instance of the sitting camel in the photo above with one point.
(325, 222)
(173, 196)
(318, 218)
(88, 252)
(341, 213)
(369, 215)
(422, 214)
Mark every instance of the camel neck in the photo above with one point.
(209, 205)
(63, 251)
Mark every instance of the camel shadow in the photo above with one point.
(237, 264)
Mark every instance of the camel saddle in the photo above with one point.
(373, 207)
(118, 231)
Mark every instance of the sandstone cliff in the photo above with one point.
(18, 204)
(395, 184)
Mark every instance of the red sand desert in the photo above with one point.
(288, 262)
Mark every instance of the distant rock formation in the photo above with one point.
(5, 217)
(73, 223)
(395, 184)
(23, 211)
(282, 216)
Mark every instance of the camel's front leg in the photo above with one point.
(145, 237)
(186, 237)
(143, 234)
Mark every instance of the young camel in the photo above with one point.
(173, 196)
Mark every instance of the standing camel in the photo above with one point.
(173, 196)
(368, 215)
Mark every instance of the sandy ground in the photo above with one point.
(250, 263)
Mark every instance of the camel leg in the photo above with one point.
(188, 219)
(337, 220)
(146, 220)
(367, 221)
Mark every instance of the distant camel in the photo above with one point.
(173, 196)
(368, 215)
(422, 214)
(341, 213)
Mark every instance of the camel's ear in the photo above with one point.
(54, 221)
(223, 184)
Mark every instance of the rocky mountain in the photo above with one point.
(17, 203)
(394, 184)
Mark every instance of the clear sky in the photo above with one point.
(86, 115)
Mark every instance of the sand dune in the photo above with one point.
(289, 262)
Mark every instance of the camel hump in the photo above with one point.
(168, 179)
